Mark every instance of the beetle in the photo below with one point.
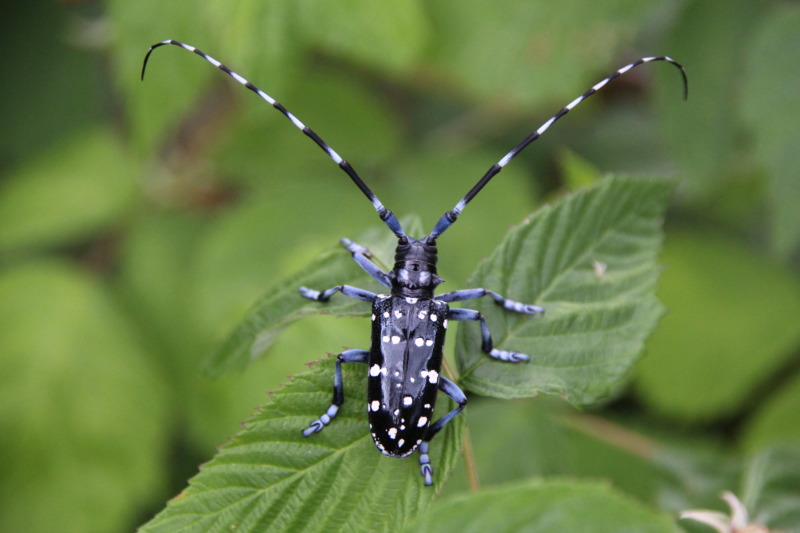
(409, 323)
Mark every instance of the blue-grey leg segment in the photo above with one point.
(425, 467)
(349, 356)
(458, 396)
(487, 345)
(505, 303)
(362, 256)
(347, 290)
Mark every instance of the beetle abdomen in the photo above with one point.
(404, 365)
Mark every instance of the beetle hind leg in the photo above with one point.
(349, 356)
(458, 396)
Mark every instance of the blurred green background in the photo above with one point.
(140, 220)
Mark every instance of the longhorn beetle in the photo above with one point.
(409, 324)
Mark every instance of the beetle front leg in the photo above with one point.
(363, 257)
(458, 396)
(487, 344)
(347, 290)
(349, 356)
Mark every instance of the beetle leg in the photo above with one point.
(362, 256)
(506, 303)
(349, 356)
(458, 396)
(488, 344)
(347, 290)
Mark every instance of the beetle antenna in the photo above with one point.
(386, 215)
(449, 217)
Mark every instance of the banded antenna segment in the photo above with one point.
(450, 216)
(386, 215)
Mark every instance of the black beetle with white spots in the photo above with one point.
(409, 323)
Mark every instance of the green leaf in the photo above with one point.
(540, 507)
(558, 443)
(83, 412)
(770, 106)
(775, 420)
(530, 52)
(705, 135)
(282, 305)
(733, 320)
(271, 478)
(384, 36)
(70, 191)
(597, 318)
(770, 488)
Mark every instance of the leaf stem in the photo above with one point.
(467, 451)
(469, 461)
(612, 434)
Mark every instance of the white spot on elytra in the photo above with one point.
(444, 323)
(428, 342)
(422, 421)
(375, 405)
(433, 376)
(398, 313)
(407, 400)
(400, 443)
(422, 314)
(395, 339)
(386, 314)
(419, 341)
(373, 317)
(374, 370)
(423, 374)
(427, 406)
(385, 338)
(392, 433)
(434, 318)
(396, 412)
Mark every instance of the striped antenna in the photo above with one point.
(449, 217)
(386, 215)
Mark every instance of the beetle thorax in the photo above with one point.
(414, 272)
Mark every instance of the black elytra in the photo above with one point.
(409, 323)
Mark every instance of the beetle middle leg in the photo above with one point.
(349, 356)
(487, 343)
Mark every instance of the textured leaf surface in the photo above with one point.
(596, 321)
(537, 507)
(271, 478)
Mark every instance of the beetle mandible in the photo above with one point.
(409, 323)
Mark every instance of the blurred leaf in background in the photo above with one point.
(140, 221)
